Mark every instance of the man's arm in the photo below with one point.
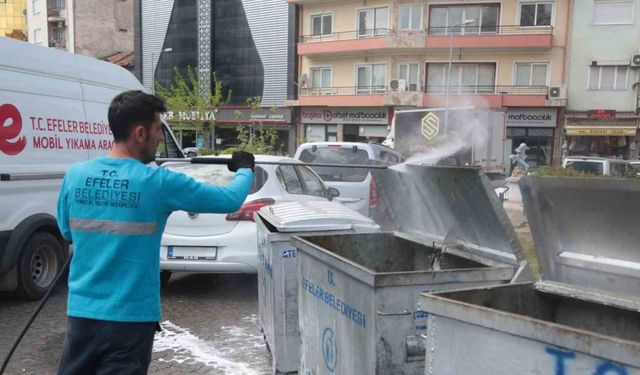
(180, 192)
(63, 212)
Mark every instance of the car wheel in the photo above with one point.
(40, 262)
(164, 278)
(191, 154)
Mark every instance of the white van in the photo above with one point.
(53, 113)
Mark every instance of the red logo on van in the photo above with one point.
(10, 128)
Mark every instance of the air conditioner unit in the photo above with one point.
(558, 92)
(398, 85)
(635, 61)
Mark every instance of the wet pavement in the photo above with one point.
(210, 326)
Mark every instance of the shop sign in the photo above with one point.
(190, 116)
(593, 131)
(531, 117)
(345, 116)
(601, 113)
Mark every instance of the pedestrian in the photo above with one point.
(114, 210)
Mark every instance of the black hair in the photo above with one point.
(133, 107)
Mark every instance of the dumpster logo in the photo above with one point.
(329, 349)
(430, 126)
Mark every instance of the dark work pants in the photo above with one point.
(102, 347)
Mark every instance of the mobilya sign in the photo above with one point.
(345, 116)
(532, 117)
(192, 116)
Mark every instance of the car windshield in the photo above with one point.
(337, 156)
(208, 173)
(595, 167)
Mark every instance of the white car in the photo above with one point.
(358, 188)
(221, 243)
(598, 166)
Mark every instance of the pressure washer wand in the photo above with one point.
(226, 161)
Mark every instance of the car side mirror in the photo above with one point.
(333, 193)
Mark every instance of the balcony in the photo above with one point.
(432, 96)
(489, 96)
(359, 40)
(490, 37)
(359, 96)
(55, 11)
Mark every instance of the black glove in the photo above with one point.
(241, 159)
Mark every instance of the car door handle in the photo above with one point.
(348, 200)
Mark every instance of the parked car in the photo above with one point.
(53, 113)
(635, 164)
(221, 243)
(598, 166)
(191, 152)
(358, 189)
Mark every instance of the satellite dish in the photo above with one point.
(303, 80)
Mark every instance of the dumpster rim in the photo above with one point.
(543, 331)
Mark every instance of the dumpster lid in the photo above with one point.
(454, 207)
(585, 232)
(313, 216)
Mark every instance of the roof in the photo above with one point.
(123, 59)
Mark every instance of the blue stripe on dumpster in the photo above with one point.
(346, 309)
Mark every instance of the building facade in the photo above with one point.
(363, 60)
(94, 28)
(13, 19)
(248, 44)
(604, 74)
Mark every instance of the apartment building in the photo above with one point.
(94, 28)
(13, 19)
(604, 74)
(361, 60)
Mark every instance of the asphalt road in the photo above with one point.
(210, 326)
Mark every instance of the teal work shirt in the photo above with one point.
(114, 211)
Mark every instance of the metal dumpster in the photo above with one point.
(358, 294)
(582, 317)
(277, 281)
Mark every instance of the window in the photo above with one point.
(410, 17)
(410, 73)
(288, 179)
(373, 21)
(342, 155)
(36, 6)
(321, 77)
(613, 12)
(536, 14)
(531, 74)
(371, 78)
(443, 19)
(608, 78)
(37, 36)
(312, 184)
(321, 24)
(465, 78)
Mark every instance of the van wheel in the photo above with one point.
(40, 261)
(164, 278)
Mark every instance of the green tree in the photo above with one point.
(184, 96)
(254, 137)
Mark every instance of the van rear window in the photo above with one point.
(586, 166)
(337, 156)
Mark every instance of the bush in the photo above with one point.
(566, 172)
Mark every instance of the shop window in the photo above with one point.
(531, 74)
(410, 17)
(373, 22)
(465, 78)
(536, 13)
(321, 24)
(613, 12)
(371, 78)
(444, 19)
(608, 78)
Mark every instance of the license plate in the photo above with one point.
(191, 253)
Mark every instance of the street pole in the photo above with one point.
(153, 70)
(446, 106)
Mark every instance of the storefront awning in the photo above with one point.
(594, 131)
